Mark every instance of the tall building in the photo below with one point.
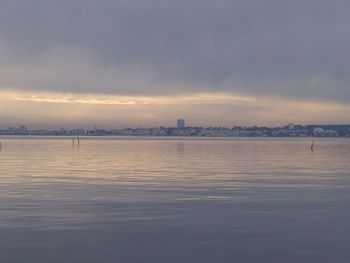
(180, 123)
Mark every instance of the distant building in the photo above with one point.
(318, 131)
(22, 130)
(331, 133)
(181, 124)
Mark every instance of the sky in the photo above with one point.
(137, 63)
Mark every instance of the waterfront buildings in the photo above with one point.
(182, 130)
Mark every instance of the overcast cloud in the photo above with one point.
(294, 49)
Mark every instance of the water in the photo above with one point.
(159, 200)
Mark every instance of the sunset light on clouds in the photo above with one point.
(132, 63)
(119, 111)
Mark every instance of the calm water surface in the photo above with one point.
(153, 200)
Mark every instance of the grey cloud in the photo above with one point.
(296, 48)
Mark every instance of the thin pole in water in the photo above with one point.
(312, 144)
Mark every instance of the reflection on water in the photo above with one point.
(174, 200)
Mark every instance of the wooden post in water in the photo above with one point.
(312, 144)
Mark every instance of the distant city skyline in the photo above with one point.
(289, 130)
(172, 123)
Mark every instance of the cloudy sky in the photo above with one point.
(117, 63)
